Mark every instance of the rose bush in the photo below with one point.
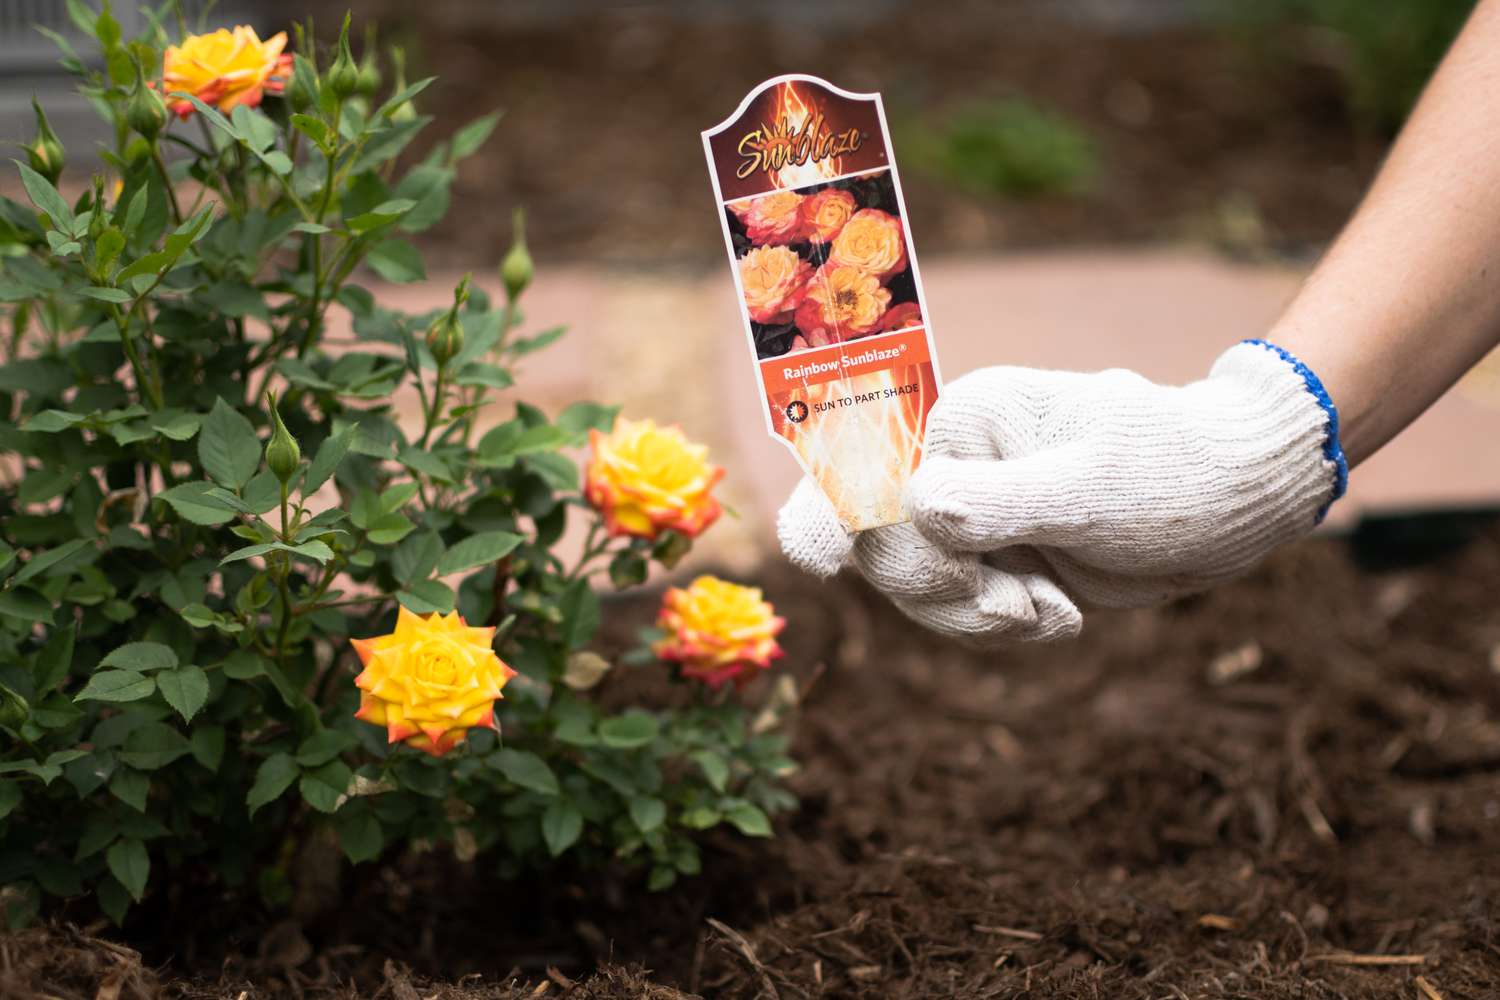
(244, 606)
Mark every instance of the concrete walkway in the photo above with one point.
(671, 348)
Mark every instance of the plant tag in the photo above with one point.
(829, 290)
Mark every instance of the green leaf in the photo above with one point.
(243, 665)
(626, 732)
(323, 746)
(322, 787)
(185, 689)
(274, 776)
(401, 97)
(151, 263)
(27, 605)
(330, 453)
(389, 528)
(580, 610)
(527, 770)
(129, 862)
(43, 561)
(228, 447)
(52, 421)
(661, 879)
(416, 557)
(360, 834)
(196, 503)
(714, 767)
(10, 797)
(207, 745)
(381, 215)
(104, 294)
(749, 820)
(45, 197)
(581, 417)
(467, 140)
(562, 824)
(485, 374)
(314, 128)
(130, 787)
(397, 261)
(426, 463)
(423, 597)
(141, 657)
(53, 660)
(647, 812)
(477, 550)
(153, 745)
(117, 685)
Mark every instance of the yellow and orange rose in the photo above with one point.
(871, 241)
(717, 631)
(647, 479)
(771, 218)
(842, 303)
(430, 681)
(825, 213)
(225, 68)
(774, 280)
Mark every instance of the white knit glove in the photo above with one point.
(1040, 491)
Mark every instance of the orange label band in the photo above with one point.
(832, 302)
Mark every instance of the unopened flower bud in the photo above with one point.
(45, 152)
(283, 454)
(369, 72)
(146, 113)
(343, 75)
(445, 338)
(302, 92)
(516, 269)
(405, 111)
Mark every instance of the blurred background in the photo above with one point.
(1089, 182)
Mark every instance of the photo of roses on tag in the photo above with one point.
(823, 264)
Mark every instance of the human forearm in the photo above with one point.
(1408, 297)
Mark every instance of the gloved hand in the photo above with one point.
(1041, 491)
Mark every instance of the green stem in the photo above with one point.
(437, 403)
(166, 180)
(314, 317)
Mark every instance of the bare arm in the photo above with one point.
(1408, 297)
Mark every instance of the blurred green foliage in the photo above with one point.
(1009, 147)
(1382, 50)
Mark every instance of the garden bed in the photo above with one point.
(1286, 788)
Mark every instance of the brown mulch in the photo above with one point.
(1286, 788)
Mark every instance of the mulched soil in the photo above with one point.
(1287, 788)
(604, 104)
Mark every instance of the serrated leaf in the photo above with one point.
(477, 550)
(424, 597)
(467, 140)
(105, 294)
(153, 745)
(360, 834)
(45, 197)
(397, 261)
(130, 787)
(527, 770)
(749, 820)
(580, 612)
(185, 689)
(53, 660)
(140, 657)
(562, 824)
(416, 557)
(228, 447)
(129, 862)
(274, 776)
(43, 561)
(196, 503)
(626, 732)
(647, 812)
(323, 746)
(117, 685)
(26, 605)
(714, 767)
(330, 453)
(323, 787)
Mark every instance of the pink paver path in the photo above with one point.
(671, 347)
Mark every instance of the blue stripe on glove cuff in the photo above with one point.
(1332, 450)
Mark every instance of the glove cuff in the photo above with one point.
(1333, 451)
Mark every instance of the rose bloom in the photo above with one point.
(771, 218)
(824, 214)
(225, 68)
(430, 681)
(647, 479)
(718, 631)
(774, 279)
(901, 317)
(872, 241)
(844, 302)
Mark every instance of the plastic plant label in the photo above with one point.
(829, 290)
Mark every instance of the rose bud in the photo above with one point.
(430, 681)
(516, 269)
(145, 113)
(45, 153)
(343, 75)
(283, 454)
(646, 480)
(445, 338)
(717, 631)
